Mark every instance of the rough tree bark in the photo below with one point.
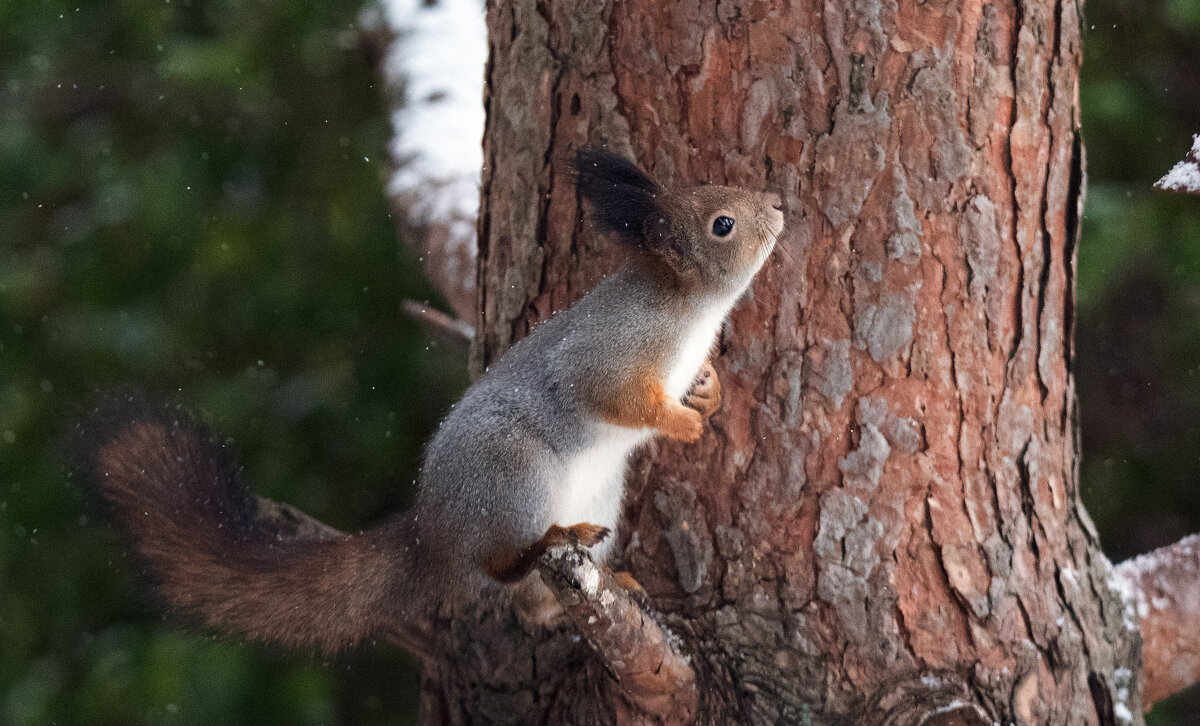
(883, 525)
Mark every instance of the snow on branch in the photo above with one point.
(433, 63)
(1184, 176)
(1165, 585)
(641, 654)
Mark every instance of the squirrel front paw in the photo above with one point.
(704, 395)
(683, 423)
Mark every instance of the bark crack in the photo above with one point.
(964, 606)
(548, 156)
(1014, 62)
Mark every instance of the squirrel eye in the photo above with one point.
(722, 226)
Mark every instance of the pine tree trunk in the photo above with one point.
(883, 524)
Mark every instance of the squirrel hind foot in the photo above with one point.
(512, 566)
(588, 534)
(584, 534)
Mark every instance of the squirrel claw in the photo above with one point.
(704, 395)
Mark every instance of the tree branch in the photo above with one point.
(449, 328)
(640, 653)
(1165, 585)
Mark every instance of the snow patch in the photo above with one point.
(438, 58)
(1122, 677)
(1184, 176)
(1132, 599)
(589, 579)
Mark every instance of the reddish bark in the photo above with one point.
(890, 489)
(883, 525)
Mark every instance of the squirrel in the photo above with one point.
(533, 455)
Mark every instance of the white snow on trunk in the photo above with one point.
(1184, 176)
(434, 66)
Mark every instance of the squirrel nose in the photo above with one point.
(774, 200)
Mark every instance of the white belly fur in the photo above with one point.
(595, 481)
(695, 348)
(595, 478)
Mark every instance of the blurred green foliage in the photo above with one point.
(1138, 315)
(191, 197)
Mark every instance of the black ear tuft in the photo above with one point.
(621, 195)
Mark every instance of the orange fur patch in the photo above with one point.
(643, 403)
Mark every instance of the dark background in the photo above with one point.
(191, 197)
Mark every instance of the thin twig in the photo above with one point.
(456, 330)
(290, 523)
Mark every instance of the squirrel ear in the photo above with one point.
(623, 198)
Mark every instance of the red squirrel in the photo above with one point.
(533, 455)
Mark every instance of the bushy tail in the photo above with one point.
(175, 491)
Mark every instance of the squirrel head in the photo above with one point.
(712, 237)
